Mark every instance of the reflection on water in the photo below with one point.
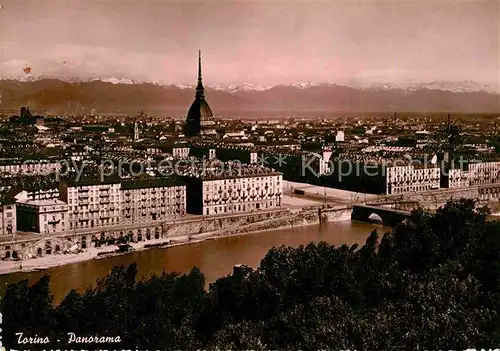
(215, 258)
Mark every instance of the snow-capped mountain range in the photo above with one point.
(454, 86)
(126, 96)
(445, 85)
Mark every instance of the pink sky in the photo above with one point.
(257, 42)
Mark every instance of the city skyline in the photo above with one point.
(260, 42)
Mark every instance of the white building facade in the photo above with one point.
(408, 179)
(484, 173)
(458, 178)
(239, 194)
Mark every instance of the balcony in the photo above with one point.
(103, 195)
(83, 196)
(54, 222)
(104, 202)
(93, 210)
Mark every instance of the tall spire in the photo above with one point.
(200, 91)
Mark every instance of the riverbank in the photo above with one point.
(215, 258)
(295, 219)
(301, 218)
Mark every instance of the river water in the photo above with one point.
(215, 258)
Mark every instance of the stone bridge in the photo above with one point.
(389, 216)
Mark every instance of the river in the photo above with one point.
(215, 258)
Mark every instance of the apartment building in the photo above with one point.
(251, 188)
(409, 179)
(154, 199)
(484, 173)
(91, 203)
(455, 178)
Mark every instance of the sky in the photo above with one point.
(255, 42)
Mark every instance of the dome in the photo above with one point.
(200, 110)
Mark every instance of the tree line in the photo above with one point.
(433, 282)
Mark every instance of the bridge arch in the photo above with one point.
(388, 216)
(375, 217)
